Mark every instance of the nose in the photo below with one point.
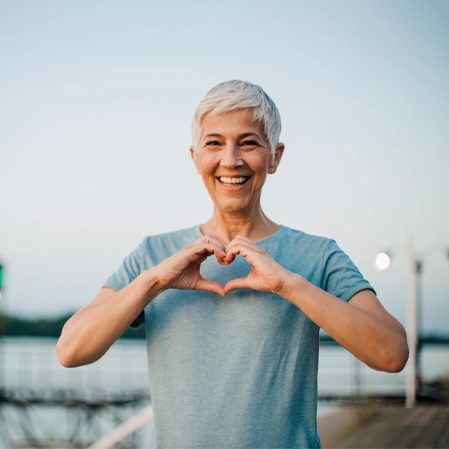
(231, 156)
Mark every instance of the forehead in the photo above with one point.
(232, 123)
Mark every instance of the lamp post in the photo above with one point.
(411, 373)
(1, 280)
(2, 330)
(414, 271)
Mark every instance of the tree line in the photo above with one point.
(15, 326)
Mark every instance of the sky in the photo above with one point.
(96, 103)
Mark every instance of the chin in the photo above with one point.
(233, 208)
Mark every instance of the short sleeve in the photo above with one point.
(340, 276)
(124, 275)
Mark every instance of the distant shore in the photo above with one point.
(16, 326)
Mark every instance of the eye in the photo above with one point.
(212, 142)
(251, 143)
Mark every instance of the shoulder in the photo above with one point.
(181, 235)
(321, 261)
(168, 243)
(298, 251)
(309, 243)
(313, 247)
(150, 252)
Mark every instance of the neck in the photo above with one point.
(254, 226)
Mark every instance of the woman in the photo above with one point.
(233, 307)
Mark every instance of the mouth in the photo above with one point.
(233, 181)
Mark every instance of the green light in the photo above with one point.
(1, 276)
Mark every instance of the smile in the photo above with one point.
(239, 180)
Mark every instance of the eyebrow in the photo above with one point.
(242, 136)
(248, 135)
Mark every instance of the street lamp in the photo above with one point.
(383, 261)
(414, 271)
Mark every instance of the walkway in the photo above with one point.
(423, 427)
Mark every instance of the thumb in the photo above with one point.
(234, 284)
(210, 286)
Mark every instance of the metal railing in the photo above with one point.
(79, 406)
(32, 364)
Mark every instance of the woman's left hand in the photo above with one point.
(266, 274)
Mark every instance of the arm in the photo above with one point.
(361, 325)
(89, 333)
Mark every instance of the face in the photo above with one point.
(233, 157)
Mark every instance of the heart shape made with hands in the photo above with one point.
(264, 274)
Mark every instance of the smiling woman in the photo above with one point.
(240, 370)
(233, 156)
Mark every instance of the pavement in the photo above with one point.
(335, 424)
(423, 427)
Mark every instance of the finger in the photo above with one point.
(231, 252)
(219, 254)
(213, 239)
(198, 252)
(235, 284)
(209, 248)
(210, 286)
(250, 251)
(242, 242)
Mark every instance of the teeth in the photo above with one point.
(233, 180)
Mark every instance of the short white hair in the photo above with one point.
(233, 95)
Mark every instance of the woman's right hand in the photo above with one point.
(182, 270)
(85, 338)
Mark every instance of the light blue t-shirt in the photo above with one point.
(239, 371)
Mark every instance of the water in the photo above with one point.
(27, 363)
(31, 366)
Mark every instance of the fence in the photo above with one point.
(32, 364)
(44, 403)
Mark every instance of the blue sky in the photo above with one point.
(96, 102)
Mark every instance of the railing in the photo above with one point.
(78, 406)
(340, 374)
(32, 364)
(43, 404)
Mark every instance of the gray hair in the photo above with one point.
(233, 95)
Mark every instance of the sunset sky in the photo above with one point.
(96, 103)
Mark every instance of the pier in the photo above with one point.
(43, 405)
(426, 427)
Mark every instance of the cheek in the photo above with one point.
(204, 165)
(260, 165)
(261, 157)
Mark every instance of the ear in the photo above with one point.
(193, 156)
(276, 159)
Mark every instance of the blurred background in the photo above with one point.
(96, 103)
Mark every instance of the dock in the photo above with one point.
(425, 427)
